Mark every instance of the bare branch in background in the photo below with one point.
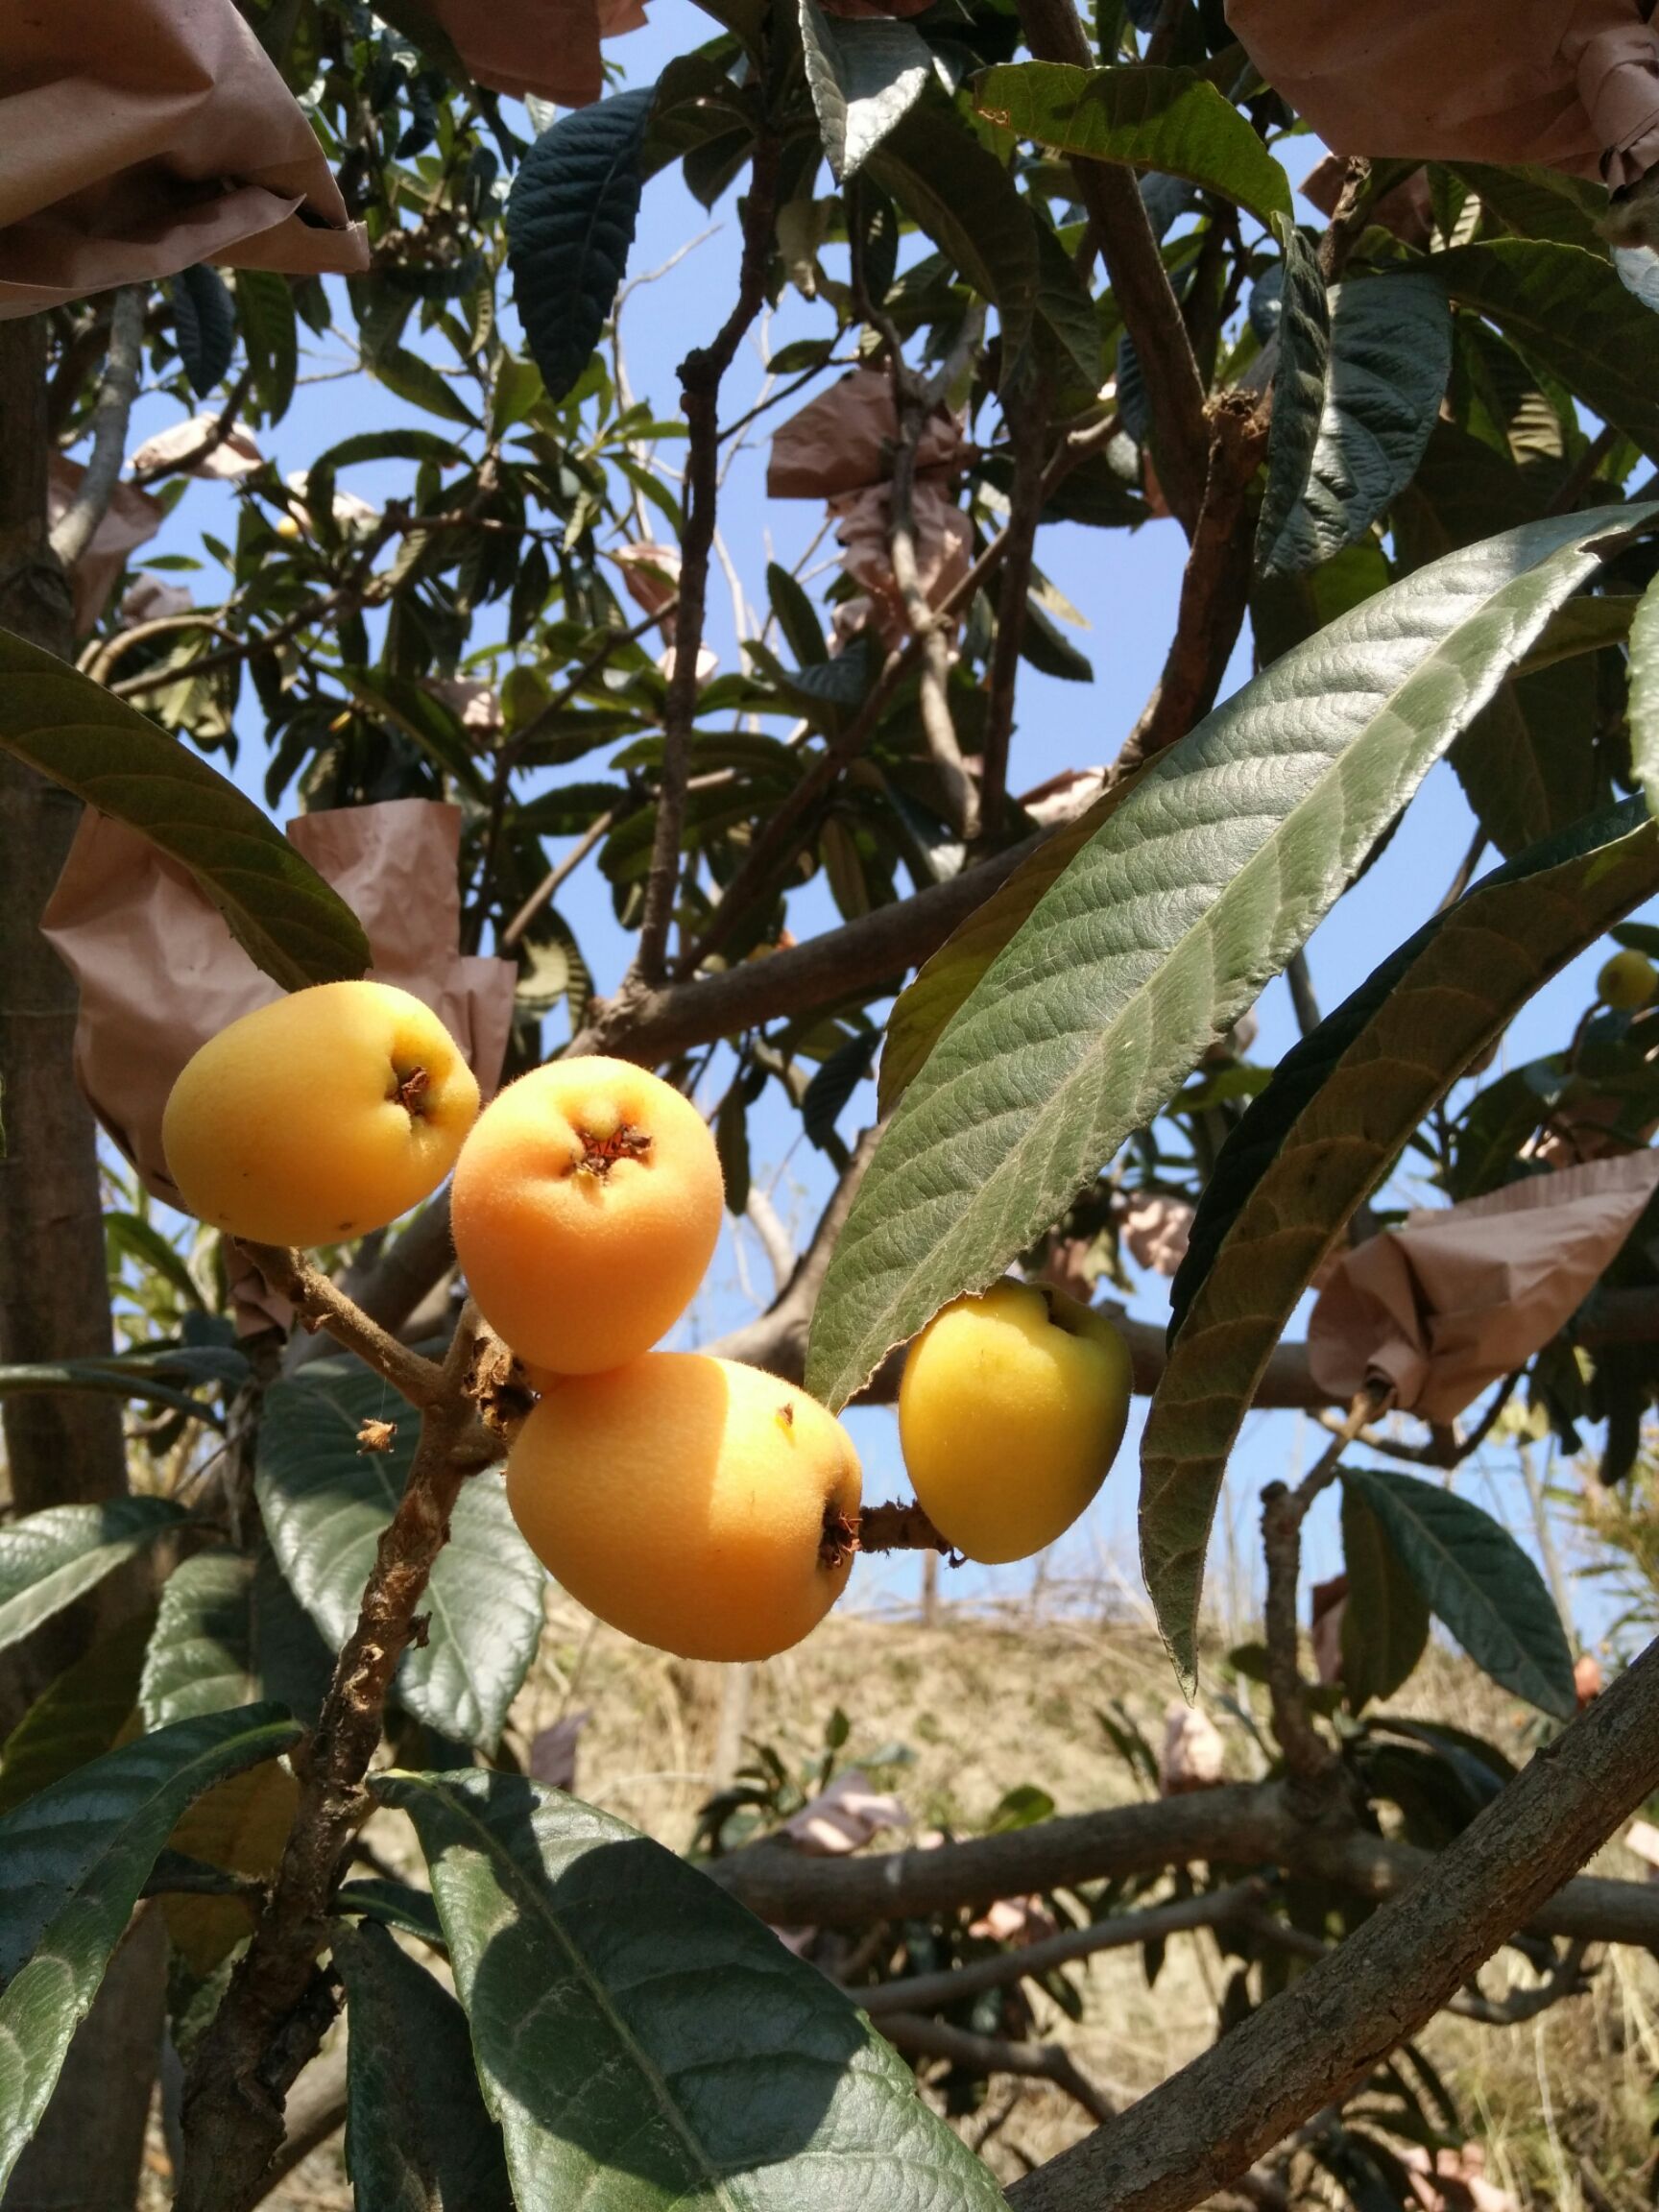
(74, 530)
(996, 2055)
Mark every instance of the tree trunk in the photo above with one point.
(54, 1304)
(54, 1297)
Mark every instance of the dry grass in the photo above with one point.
(1563, 2105)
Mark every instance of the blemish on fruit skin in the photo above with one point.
(786, 1414)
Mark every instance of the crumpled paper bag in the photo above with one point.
(159, 971)
(131, 520)
(1462, 1296)
(1573, 87)
(236, 453)
(844, 1817)
(549, 48)
(139, 137)
(943, 540)
(843, 441)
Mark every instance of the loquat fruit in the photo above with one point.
(320, 1116)
(1627, 981)
(697, 1504)
(587, 1206)
(1010, 1411)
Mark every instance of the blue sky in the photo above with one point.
(1124, 586)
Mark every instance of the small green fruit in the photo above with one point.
(1010, 1411)
(1627, 982)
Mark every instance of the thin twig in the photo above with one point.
(1121, 1931)
(997, 2055)
(701, 373)
(75, 528)
(321, 1305)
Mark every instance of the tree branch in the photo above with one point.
(1140, 284)
(700, 378)
(1316, 2041)
(1121, 1931)
(1214, 586)
(112, 410)
(997, 2055)
(268, 2025)
(1238, 1824)
(321, 1305)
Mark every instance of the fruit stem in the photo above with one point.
(411, 1089)
(895, 1527)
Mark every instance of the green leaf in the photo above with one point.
(1390, 354)
(1567, 310)
(73, 1860)
(942, 984)
(112, 1378)
(265, 310)
(864, 78)
(1340, 1106)
(1304, 338)
(231, 1633)
(571, 220)
(279, 910)
(1168, 120)
(204, 324)
(1540, 202)
(393, 1903)
(1066, 310)
(1528, 763)
(1584, 625)
(1215, 868)
(1644, 709)
(1385, 1619)
(732, 1144)
(413, 378)
(417, 2138)
(49, 1559)
(797, 616)
(643, 2041)
(961, 194)
(79, 1718)
(326, 1504)
(1477, 1580)
(1048, 650)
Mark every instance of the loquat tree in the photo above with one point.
(1055, 282)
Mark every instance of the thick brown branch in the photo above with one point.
(1239, 1824)
(1214, 586)
(1140, 284)
(239, 2078)
(700, 378)
(1311, 2045)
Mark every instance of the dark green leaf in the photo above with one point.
(1340, 1106)
(833, 1084)
(1385, 1619)
(104, 1378)
(79, 734)
(1190, 894)
(73, 1860)
(1567, 310)
(231, 1633)
(732, 1143)
(1644, 711)
(393, 1903)
(79, 1716)
(324, 1504)
(864, 78)
(265, 310)
(1528, 763)
(643, 2041)
(961, 195)
(1168, 120)
(1478, 1581)
(1066, 310)
(1540, 202)
(1049, 651)
(1390, 354)
(417, 2138)
(204, 324)
(1302, 326)
(49, 1559)
(797, 616)
(570, 222)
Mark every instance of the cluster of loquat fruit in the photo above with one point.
(696, 1504)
